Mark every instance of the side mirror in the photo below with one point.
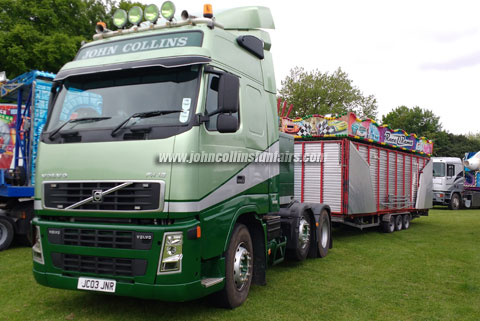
(227, 123)
(228, 88)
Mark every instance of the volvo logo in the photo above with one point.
(97, 196)
(54, 175)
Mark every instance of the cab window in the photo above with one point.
(450, 170)
(211, 103)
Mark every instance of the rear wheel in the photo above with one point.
(238, 269)
(389, 226)
(300, 252)
(455, 202)
(6, 233)
(398, 222)
(406, 221)
(324, 241)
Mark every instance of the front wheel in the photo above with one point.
(455, 202)
(238, 268)
(6, 233)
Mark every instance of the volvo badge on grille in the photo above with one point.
(97, 196)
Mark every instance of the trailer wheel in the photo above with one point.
(238, 269)
(455, 202)
(389, 226)
(324, 240)
(398, 222)
(406, 221)
(300, 252)
(6, 233)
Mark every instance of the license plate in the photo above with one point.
(100, 285)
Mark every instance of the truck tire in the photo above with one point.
(398, 222)
(300, 252)
(6, 233)
(389, 226)
(406, 221)
(455, 202)
(238, 269)
(324, 237)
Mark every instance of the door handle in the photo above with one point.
(241, 179)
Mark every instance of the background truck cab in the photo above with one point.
(448, 181)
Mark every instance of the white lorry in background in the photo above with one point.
(456, 183)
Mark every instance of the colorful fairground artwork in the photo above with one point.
(362, 129)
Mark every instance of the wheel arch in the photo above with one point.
(249, 217)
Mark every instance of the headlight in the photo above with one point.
(171, 255)
(37, 247)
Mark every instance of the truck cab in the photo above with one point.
(448, 181)
(140, 189)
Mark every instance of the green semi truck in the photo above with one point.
(120, 210)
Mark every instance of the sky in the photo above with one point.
(414, 53)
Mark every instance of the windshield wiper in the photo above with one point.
(144, 115)
(76, 120)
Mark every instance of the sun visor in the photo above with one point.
(170, 62)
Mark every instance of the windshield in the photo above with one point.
(438, 169)
(114, 96)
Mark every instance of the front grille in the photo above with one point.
(110, 220)
(99, 265)
(135, 196)
(100, 238)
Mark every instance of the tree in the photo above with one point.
(314, 92)
(422, 122)
(45, 34)
(448, 144)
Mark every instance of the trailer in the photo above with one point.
(20, 128)
(368, 174)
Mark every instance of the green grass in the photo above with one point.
(429, 272)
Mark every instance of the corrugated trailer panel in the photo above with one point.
(312, 174)
(332, 186)
(400, 194)
(374, 171)
(408, 180)
(363, 151)
(383, 179)
(297, 172)
(415, 179)
(394, 176)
